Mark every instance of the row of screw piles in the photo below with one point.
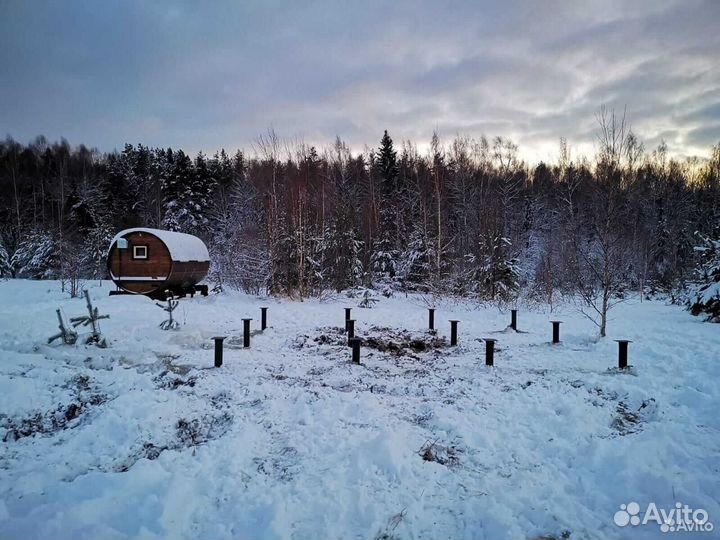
(555, 325)
(490, 343)
(453, 326)
(353, 342)
(246, 336)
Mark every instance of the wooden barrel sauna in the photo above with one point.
(152, 261)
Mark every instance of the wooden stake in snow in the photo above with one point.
(170, 323)
(68, 335)
(92, 319)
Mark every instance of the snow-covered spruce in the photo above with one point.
(704, 296)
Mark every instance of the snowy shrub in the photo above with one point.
(5, 267)
(72, 268)
(36, 256)
(492, 274)
(341, 254)
(367, 300)
(413, 267)
(94, 250)
(704, 296)
(384, 262)
(240, 264)
(355, 292)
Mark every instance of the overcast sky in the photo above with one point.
(206, 75)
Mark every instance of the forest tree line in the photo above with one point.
(466, 217)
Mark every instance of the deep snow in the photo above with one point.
(290, 440)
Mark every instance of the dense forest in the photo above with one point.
(466, 217)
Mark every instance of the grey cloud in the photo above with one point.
(705, 136)
(709, 112)
(205, 76)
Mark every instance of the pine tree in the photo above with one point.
(413, 262)
(145, 185)
(200, 196)
(342, 246)
(5, 266)
(95, 249)
(704, 295)
(492, 274)
(177, 189)
(438, 250)
(37, 256)
(385, 254)
(122, 187)
(238, 252)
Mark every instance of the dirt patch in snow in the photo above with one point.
(188, 432)
(281, 465)
(65, 416)
(564, 535)
(438, 453)
(169, 381)
(191, 432)
(402, 342)
(630, 419)
(380, 338)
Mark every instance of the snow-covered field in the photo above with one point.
(288, 439)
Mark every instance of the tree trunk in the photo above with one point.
(606, 284)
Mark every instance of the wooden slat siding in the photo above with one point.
(158, 263)
(186, 274)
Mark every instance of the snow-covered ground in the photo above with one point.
(288, 439)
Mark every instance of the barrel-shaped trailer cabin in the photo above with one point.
(153, 261)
